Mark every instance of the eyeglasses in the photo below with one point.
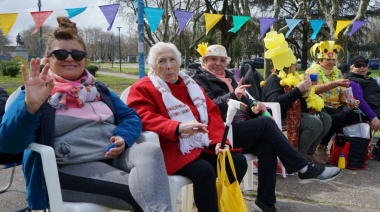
(62, 54)
(360, 65)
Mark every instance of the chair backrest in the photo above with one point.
(124, 94)
(12, 97)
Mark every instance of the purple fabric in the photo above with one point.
(359, 95)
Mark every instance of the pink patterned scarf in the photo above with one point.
(222, 77)
(72, 94)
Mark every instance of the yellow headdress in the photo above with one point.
(326, 49)
(278, 51)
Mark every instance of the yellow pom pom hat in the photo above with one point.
(326, 50)
(278, 51)
(213, 50)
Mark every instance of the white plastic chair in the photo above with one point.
(176, 182)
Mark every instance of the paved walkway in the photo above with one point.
(357, 191)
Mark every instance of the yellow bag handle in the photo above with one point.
(221, 167)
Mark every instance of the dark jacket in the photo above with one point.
(217, 90)
(274, 92)
(371, 89)
(3, 99)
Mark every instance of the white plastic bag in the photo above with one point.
(360, 130)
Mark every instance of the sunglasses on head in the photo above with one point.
(61, 54)
(360, 65)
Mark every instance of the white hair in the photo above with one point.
(155, 50)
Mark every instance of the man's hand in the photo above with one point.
(116, 151)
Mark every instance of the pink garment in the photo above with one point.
(222, 77)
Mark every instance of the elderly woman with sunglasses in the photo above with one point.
(64, 107)
(367, 91)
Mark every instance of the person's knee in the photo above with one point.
(150, 149)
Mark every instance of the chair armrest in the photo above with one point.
(148, 136)
(50, 169)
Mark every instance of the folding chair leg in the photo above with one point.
(10, 181)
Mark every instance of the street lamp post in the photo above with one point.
(41, 44)
(112, 50)
(119, 48)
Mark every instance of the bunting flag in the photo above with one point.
(340, 25)
(39, 18)
(316, 25)
(75, 11)
(265, 23)
(183, 17)
(110, 11)
(153, 15)
(211, 20)
(239, 21)
(6, 21)
(355, 26)
(292, 23)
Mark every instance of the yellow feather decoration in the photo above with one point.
(202, 49)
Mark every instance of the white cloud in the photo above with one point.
(91, 17)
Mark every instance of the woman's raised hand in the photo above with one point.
(37, 90)
(240, 89)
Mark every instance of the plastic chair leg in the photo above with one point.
(10, 181)
(187, 198)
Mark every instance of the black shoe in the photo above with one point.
(319, 173)
(263, 207)
(376, 153)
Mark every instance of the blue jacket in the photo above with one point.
(20, 128)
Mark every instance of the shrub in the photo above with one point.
(13, 70)
(92, 69)
(10, 68)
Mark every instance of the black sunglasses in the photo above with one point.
(62, 54)
(361, 65)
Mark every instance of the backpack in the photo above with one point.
(252, 77)
(355, 143)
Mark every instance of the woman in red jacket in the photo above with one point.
(188, 123)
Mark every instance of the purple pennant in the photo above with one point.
(110, 11)
(355, 26)
(265, 23)
(183, 17)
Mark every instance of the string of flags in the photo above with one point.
(154, 16)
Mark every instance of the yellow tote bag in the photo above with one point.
(230, 198)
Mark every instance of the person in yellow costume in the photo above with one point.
(330, 85)
(301, 108)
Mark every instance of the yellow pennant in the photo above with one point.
(211, 20)
(340, 25)
(6, 21)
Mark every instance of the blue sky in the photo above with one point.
(92, 16)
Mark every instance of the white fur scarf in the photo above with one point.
(179, 111)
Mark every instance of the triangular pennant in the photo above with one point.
(355, 26)
(239, 21)
(265, 23)
(183, 17)
(154, 16)
(110, 11)
(340, 25)
(292, 23)
(211, 20)
(6, 21)
(316, 25)
(39, 18)
(75, 11)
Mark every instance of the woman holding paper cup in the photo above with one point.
(306, 124)
(330, 86)
(367, 91)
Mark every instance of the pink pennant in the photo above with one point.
(40, 18)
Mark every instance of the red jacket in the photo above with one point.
(147, 101)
